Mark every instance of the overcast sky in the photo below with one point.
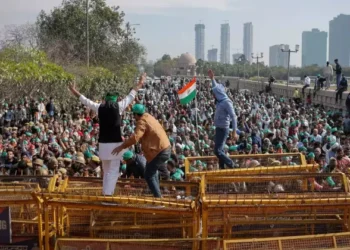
(167, 26)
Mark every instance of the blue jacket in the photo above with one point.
(224, 113)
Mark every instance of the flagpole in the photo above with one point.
(195, 103)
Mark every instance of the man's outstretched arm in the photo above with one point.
(87, 102)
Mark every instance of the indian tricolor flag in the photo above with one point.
(188, 93)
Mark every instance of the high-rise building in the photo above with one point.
(225, 43)
(200, 36)
(314, 48)
(248, 41)
(339, 39)
(213, 55)
(236, 57)
(277, 57)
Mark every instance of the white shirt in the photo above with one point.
(123, 104)
(328, 70)
(307, 81)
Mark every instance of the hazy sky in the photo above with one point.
(167, 26)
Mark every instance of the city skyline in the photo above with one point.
(167, 25)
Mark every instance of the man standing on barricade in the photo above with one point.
(224, 114)
(155, 147)
(110, 134)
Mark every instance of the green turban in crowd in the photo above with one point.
(128, 155)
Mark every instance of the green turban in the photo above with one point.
(138, 109)
(111, 97)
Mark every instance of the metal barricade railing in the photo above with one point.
(248, 165)
(274, 205)
(322, 241)
(131, 187)
(120, 216)
(273, 187)
(132, 244)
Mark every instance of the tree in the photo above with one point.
(166, 57)
(62, 34)
(28, 72)
(200, 65)
(164, 66)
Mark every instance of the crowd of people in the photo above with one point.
(157, 133)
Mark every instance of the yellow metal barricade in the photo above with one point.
(132, 244)
(129, 217)
(131, 187)
(19, 193)
(248, 165)
(322, 241)
(274, 205)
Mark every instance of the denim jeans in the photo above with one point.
(221, 135)
(338, 79)
(151, 172)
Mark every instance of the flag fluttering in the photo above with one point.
(188, 92)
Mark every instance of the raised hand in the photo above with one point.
(141, 81)
(211, 74)
(71, 87)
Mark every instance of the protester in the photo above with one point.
(328, 74)
(307, 82)
(319, 84)
(135, 165)
(343, 86)
(224, 115)
(155, 146)
(338, 71)
(109, 115)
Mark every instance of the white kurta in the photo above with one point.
(105, 149)
(110, 163)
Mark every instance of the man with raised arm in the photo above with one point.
(224, 115)
(109, 115)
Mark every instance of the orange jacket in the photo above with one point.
(151, 135)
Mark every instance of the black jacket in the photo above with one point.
(338, 69)
(110, 121)
(344, 83)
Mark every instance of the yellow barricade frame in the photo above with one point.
(278, 242)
